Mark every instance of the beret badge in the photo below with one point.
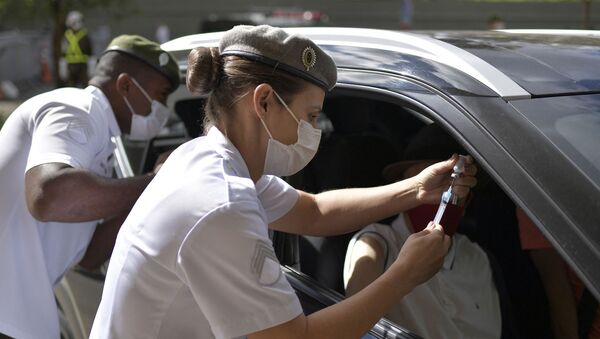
(309, 58)
(163, 59)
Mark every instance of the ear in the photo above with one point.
(262, 99)
(123, 84)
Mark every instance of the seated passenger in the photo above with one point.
(574, 312)
(461, 300)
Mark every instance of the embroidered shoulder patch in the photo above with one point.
(79, 130)
(265, 264)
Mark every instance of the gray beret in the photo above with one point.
(148, 52)
(273, 46)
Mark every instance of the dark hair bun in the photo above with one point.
(204, 70)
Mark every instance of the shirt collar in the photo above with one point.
(107, 109)
(229, 152)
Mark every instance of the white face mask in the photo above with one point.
(147, 127)
(284, 160)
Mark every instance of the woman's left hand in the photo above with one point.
(435, 179)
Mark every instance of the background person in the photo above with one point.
(77, 50)
(58, 204)
(496, 22)
(163, 33)
(194, 258)
(461, 300)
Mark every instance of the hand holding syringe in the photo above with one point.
(448, 196)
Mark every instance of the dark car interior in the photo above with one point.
(361, 135)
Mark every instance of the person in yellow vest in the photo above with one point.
(78, 49)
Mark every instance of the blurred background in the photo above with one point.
(34, 39)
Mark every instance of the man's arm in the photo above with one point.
(342, 211)
(419, 259)
(102, 243)
(58, 192)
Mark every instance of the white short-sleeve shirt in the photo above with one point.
(70, 126)
(460, 301)
(193, 259)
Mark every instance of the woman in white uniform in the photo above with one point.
(194, 260)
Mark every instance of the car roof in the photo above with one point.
(512, 64)
(352, 47)
(551, 62)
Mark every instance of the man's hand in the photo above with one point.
(423, 253)
(435, 179)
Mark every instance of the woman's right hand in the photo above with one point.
(423, 254)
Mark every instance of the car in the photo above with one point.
(525, 104)
(280, 17)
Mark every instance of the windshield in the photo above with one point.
(573, 125)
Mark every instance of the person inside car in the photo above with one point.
(574, 311)
(194, 258)
(59, 205)
(461, 300)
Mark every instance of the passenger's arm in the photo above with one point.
(58, 192)
(346, 210)
(420, 258)
(367, 263)
(561, 298)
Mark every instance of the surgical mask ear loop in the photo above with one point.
(265, 126)
(128, 105)
(286, 107)
(141, 89)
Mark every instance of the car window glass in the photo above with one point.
(572, 124)
(581, 131)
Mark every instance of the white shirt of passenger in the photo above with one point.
(193, 259)
(69, 126)
(460, 301)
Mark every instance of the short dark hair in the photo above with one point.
(111, 64)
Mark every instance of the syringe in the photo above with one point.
(447, 196)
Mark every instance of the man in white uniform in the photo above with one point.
(194, 260)
(55, 167)
(461, 300)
